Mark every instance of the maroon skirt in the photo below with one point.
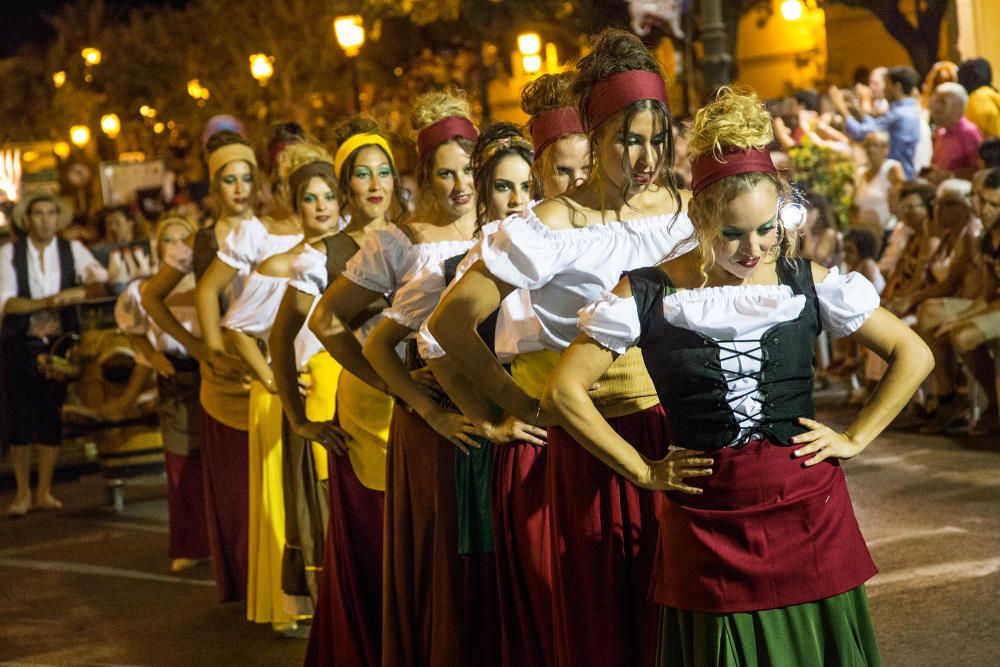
(427, 587)
(225, 452)
(767, 532)
(604, 533)
(186, 506)
(347, 624)
(523, 553)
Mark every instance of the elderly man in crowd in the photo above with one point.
(956, 138)
(40, 276)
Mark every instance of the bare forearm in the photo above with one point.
(461, 390)
(380, 351)
(19, 306)
(153, 293)
(287, 324)
(909, 364)
(346, 349)
(581, 419)
(246, 348)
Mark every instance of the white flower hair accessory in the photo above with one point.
(792, 214)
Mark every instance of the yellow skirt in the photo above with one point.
(364, 412)
(266, 602)
(323, 377)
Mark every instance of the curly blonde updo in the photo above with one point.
(291, 159)
(734, 118)
(428, 109)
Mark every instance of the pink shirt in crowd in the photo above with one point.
(957, 147)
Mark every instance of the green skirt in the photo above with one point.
(472, 486)
(836, 631)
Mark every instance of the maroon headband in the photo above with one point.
(620, 90)
(707, 169)
(551, 125)
(437, 133)
(274, 150)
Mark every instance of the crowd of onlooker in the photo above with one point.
(918, 219)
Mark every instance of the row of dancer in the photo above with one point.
(504, 411)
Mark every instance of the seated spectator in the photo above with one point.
(860, 251)
(916, 206)
(976, 76)
(821, 240)
(873, 182)
(960, 314)
(956, 138)
(989, 153)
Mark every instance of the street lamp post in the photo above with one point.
(91, 57)
(262, 69)
(350, 32)
(79, 135)
(716, 60)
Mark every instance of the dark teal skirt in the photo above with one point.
(472, 485)
(836, 632)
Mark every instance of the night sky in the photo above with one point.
(22, 22)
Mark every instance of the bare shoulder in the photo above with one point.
(819, 272)
(557, 213)
(277, 266)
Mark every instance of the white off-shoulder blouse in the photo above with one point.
(516, 325)
(567, 269)
(736, 317)
(133, 319)
(250, 243)
(411, 274)
(254, 312)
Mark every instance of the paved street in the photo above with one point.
(91, 587)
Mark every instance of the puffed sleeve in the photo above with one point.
(242, 246)
(381, 262)
(88, 270)
(845, 302)
(415, 301)
(130, 316)
(613, 322)
(524, 253)
(308, 272)
(179, 256)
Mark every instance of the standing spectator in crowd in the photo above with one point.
(124, 249)
(39, 277)
(860, 250)
(976, 76)
(942, 72)
(956, 138)
(874, 181)
(877, 104)
(902, 121)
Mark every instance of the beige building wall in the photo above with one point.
(977, 28)
(777, 56)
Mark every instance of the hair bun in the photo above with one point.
(733, 118)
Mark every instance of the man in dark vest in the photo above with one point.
(40, 276)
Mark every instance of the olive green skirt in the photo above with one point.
(836, 631)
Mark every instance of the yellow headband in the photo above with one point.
(356, 141)
(223, 155)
